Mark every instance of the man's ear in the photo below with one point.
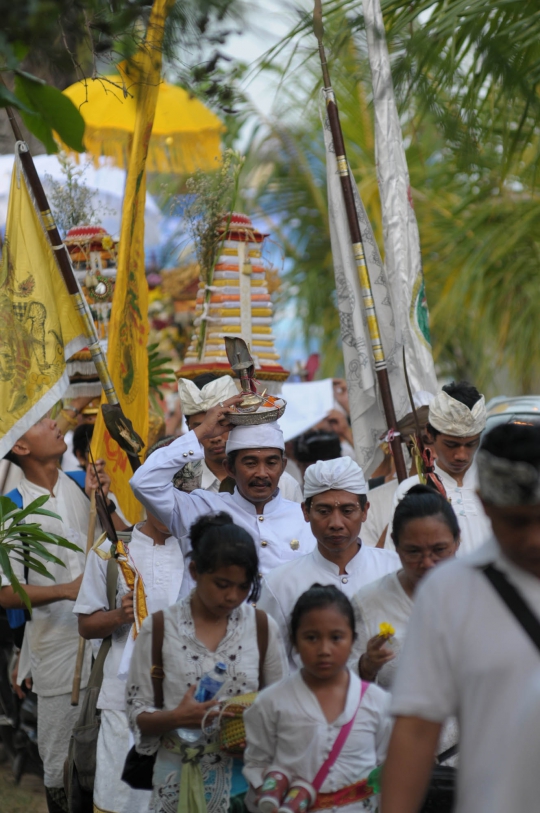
(305, 511)
(229, 469)
(365, 510)
(193, 570)
(21, 448)
(284, 461)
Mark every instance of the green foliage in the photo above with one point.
(25, 541)
(158, 373)
(466, 77)
(49, 110)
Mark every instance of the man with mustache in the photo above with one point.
(335, 506)
(197, 397)
(255, 461)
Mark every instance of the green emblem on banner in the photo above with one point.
(419, 314)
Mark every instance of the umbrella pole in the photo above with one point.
(381, 367)
(66, 269)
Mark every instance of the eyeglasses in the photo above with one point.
(416, 555)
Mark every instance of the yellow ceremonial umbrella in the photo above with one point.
(185, 135)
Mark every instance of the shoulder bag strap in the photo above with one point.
(157, 673)
(337, 747)
(261, 623)
(515, 602)
(96, 674)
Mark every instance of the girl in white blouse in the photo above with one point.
(293, 725)
(213, 624)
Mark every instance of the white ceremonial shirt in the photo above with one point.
(383, 600)
(380, 512)
(288, 486)
(161, 568)
(286, 728)
(465, 655)
(283, 586)
(280, 532)
(53, 635)
(474, 525)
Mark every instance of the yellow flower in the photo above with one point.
(107, 242)
(386, 630)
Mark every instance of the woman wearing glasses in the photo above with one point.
(425, 532)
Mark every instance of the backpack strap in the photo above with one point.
(157, 673)
(514, 601)
(261, 623)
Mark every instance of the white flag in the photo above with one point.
(402, 261)
(367, 416)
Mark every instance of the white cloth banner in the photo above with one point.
(403, 260)
(367, 417)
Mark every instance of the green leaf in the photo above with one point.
(53, 111)
(8, 99)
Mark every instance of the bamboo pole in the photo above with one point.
(381, 368)
(76, 688)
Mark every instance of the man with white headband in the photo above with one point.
(255, 460)
(335, 505)
(466, 654)
(197, 397)
(457, 418)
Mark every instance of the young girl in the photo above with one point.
(293, 725)
(214, 624)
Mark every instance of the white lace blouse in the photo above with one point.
(185, 661)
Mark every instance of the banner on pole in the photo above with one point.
(39, 325)
(128, 326)
(368, 422)
(402, 257)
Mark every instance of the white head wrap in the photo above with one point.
(454, 418)
(341, 474)
(195, 400)
(263, 436)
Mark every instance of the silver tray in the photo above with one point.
(256, 418)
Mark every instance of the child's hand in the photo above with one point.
(375, 657)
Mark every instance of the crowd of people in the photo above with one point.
(262, 568)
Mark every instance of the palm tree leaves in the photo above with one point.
(24, 542)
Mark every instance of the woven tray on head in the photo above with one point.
(232, 733)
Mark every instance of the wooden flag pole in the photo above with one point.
(358, 248)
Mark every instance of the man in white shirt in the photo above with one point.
(255, 460)
(466, 654)
(197, 397)
(158, 560)
(457, 418)
(52, 634)
(335, 507)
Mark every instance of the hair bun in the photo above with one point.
(204, 524)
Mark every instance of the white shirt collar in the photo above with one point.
(356, 563)
(245, 505)
(209, 481)
(470, 478)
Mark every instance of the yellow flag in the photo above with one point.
(128, 325)
(39, 325)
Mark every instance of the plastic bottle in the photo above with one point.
(209, 686)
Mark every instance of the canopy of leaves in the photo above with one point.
(466, 77)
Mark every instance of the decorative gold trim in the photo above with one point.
(48, 219)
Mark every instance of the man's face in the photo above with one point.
(42, 441)
(517, 530)
(257, 473)
(455, 455)
(335, 518)
(214, 448)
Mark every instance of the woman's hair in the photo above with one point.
(318, 597)
(217, 542)
(419, 502)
